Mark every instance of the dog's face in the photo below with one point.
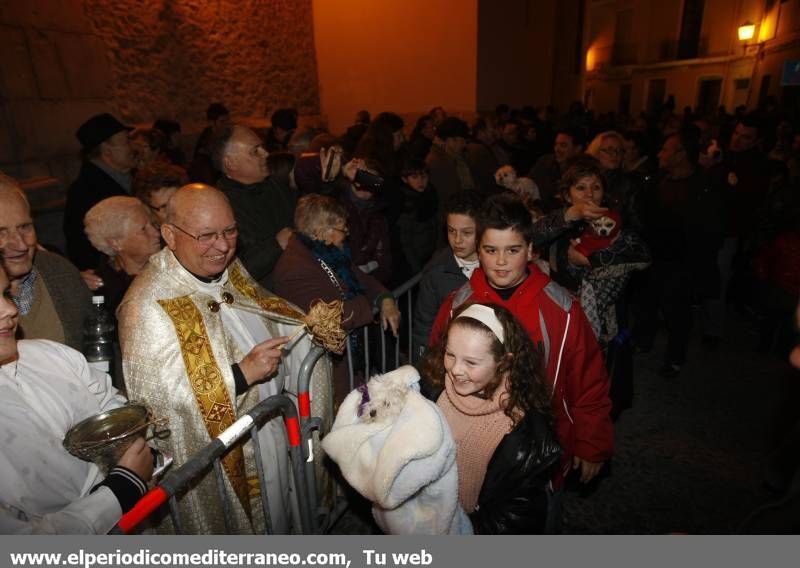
(604, 226)
(506, 177)
(381, 401)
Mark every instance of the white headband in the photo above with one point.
(487, 317)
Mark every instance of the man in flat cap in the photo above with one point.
(106, 172)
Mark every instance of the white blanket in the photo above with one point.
(402, 457)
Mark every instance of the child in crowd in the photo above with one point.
(555, 322)
(414, 226)
(450, 268)
(495, 398)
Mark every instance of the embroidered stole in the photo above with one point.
(211, 394)
(269, 303)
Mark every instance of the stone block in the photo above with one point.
(16, 72)
(41, 129)
(49, 73)
(83, 57)
(7, 154)
(65, 15)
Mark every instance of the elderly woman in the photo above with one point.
(623, 188)
(317, 264)
(121, 228)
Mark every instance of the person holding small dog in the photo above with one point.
(495, 398)
(593, 254)
(584, 218)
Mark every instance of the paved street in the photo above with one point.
(689, 454)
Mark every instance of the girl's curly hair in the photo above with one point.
(518, 359)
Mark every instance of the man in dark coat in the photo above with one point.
(447, 163)
(106, 172)
(264, 208)
(202, 168)
(546, 172)
(684, 229)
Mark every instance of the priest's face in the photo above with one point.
(8, 320)
(203, 234)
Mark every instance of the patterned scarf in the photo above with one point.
(338, 260)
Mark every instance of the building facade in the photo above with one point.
(639, 53)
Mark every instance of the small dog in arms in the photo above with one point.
(395, 448)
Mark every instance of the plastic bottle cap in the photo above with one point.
(98, 300)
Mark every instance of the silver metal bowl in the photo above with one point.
(104, 437)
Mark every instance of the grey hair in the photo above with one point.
(110, 219)
(219, 147)
(316, 211)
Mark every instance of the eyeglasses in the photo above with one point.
(612, 151)
(208, 239)
(345, 231)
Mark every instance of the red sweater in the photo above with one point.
(575, 368)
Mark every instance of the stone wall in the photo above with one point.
(62, 61)
(172, 58)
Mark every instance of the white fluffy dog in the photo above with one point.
(395, 448)
(526, 188)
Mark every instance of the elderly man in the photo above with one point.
(264, 208)
(52, 299)
(45, 388)
(106, 171)
(197, 332)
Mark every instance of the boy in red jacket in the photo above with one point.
(554, 321)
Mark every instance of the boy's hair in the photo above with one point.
(505, 211)
(413, 166)
(463, 203)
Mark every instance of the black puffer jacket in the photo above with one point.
(513, 498)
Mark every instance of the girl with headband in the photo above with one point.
(495, 398)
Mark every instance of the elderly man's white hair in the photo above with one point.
(110, 219)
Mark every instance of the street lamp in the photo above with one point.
(746, 31)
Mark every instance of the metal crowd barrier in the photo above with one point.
(178, 480)
(404, 290)
(315, 518)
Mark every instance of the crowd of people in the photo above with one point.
(551, 249)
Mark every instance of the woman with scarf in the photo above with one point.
(317, 264)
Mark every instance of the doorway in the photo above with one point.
(708, 93)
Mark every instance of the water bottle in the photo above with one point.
(98, 337)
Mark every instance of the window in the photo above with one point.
(691, 24)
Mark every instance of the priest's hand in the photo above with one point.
(263, 360)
